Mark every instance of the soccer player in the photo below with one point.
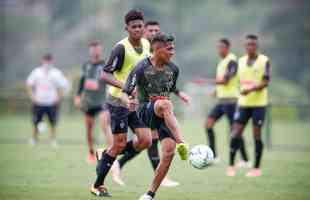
(46, 85)
(155, 78)
(150, 30)
(124, 56)
(227, 92)
(90, 97)
(254, 76)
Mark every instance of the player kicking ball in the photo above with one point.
(155, 79)
(254, 76)
(151, 28)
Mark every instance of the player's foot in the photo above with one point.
(116, 173)
(169, 183)
(231, 171)
(100, 191)
(217, 160)
(182, 150)
(146, 197)
(33, 142)
(99, 153)
(244, 164)
(54, 144)
(255, 172)
(91, 159)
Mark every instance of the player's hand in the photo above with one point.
(184, 97)
(132, 103)
(248, 90)
(77, 101)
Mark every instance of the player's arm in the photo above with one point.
(30, 85)
(77, 98)
(230, 73)
(129, 88)
(115, 63)
(263, 84)
(63, 86)
(182, 95)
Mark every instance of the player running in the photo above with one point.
(124, 56)
(90, 97)
(46, 85)
(254, 75)
(155, 78)
(150, 29)
(227, 92)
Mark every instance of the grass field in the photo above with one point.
(44, 173)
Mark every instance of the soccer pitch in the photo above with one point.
(44, 173)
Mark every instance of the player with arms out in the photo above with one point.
(90, 97)
(227, 92)
(150, 29)
(125, 55)
(155, 78)
(254, 77)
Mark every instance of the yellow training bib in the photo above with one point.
(252, 75)
(231, 89)
(130, 60)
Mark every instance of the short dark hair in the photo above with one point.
(225, 41)
(47, 57)
(134, 15)
(152, 23)
(162, 37)
(94, 43)
(252, 36)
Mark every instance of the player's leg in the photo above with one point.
(52, 114)
(164, 109)
(242, 116)
(153, 155)
(37, 116)
(152, 152)
(230, 110)
(89, 124)
(168, 148)
(258, 116)
(119, 125)
(213, 116)
(105, 123)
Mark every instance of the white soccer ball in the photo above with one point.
(201, 156)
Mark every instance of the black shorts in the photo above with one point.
(39, 111)
(243, 114)
(94, 111)
(221, 109)
(121, 119)
(151, 120)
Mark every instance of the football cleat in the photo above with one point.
(146, 197)
(100, 191)
(182, 150)
(255, 172)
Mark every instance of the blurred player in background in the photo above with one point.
(90, 98)
(254, 76)
(124, 56)
(155, 78)
(150, 29)
(45, 86)
(227, 92)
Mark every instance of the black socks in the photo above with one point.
(211, 139)
(103, 167)
(258, 152)
(234, 146)
(243, 152)
(153, 154)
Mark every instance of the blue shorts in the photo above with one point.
(121, 119)
(38, 112)
(243, 114)
(95, 110)
(221, 109)
(151, 120)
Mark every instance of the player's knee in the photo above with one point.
(168, 152)
(257, 133)
(145, 142)
(236, 131)
(209, 123)
(166, 106)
